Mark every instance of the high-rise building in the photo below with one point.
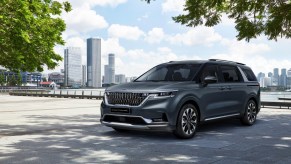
(73, 66)
(109, 70)
(289, 78)
(106, 75)
(283, 77)
(94, 62)
(120, 78)
(270, 74)
(84, 75)
(275, 79)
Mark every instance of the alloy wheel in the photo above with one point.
(251, 112)
(189, 121)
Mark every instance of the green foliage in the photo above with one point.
(252, 18)
(11, 80)
(2, 79)
(29, 30)
(44, 79)
(19, 79)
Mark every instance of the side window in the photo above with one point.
(230, 74)
(209, 70)
(249, 74)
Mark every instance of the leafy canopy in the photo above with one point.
(252, 17)
(29, 30)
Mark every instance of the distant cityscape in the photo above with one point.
(77, 75)
(74, 74)
(274, 80)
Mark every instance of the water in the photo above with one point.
(274, 96)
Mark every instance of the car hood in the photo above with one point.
(150, 86)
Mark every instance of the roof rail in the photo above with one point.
(226, 61)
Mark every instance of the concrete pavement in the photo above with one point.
(56, 130)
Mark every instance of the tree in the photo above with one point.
(252, 18)
(29, 30)
(19, 79)
(11, 80)
(44, 79)
(2, 79)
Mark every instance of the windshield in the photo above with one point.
(170, 72)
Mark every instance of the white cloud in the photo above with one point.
(126, 32)
(84, 20)
(111, 45)
(173, 6)
(196, 36)
(251, 54)
(156, 35)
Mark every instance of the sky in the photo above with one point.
(143, 35)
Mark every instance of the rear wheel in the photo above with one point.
(187, 122)
(250, 115)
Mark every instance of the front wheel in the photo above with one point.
(250, 114)
(187, 122)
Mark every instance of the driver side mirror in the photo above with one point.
(209, 80)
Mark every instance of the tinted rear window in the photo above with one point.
(230, 74)
(249, 74)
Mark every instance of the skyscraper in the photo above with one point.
(289, 79)
(260, 78)
(106, 74)
(283, 77)
(72, 66)
(94, 62)
(275, 79)
(84, 75)
(109, 70)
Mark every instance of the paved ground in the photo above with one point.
(52, 130)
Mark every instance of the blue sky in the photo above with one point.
(143, 35)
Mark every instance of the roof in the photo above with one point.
(204, 61)
(45, 83)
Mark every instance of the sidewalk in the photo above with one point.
(58, 130)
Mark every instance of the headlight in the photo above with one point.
(163, 94)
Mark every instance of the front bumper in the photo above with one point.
(154, 114)
(133, 122)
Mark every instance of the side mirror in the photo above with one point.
(209, 80)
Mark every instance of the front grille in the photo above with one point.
(119, 98)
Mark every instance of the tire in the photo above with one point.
(187, 122)
(250, 114)
(120, 130)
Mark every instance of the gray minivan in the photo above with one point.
(179, 95)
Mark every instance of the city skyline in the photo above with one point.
(150, 33)
(276, 78)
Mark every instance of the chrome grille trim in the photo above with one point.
(125, 98)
